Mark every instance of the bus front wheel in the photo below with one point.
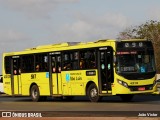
(92, 93)
(35, 95)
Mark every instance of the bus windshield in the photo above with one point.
(135, 61)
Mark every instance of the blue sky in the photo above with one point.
(29, 23)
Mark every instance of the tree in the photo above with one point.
(151, 31)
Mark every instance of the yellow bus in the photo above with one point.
(93, 69)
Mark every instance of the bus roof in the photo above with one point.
(69, 45)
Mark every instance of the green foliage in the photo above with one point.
(149, 30)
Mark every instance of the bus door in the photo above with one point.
(105, 68)
(16, 76)
(55, 73)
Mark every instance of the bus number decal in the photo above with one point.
(134, 83)
(90, 73)
(33, 76)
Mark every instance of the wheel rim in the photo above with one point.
(93, 93)
(34, 93)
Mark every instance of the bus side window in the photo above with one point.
(75, 60)
(16, 66)
(41, 62)
(92, 59)
(67, 66)
(14, 70)
(87, 59)
(66, 61)
(82, 60)
(37, 67)
(7, 64)
(27, 63)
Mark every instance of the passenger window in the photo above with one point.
(70, 60)
(87, 59)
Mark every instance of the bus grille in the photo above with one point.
(138, 88)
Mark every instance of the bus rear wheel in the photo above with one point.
(35, 95)
(92, 93)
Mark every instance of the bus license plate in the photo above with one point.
(141, 88)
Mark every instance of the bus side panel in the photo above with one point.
(77, 79)
(66, 83)
(74, 82)
(40, 79)
(25, 78)
(77, 89)
(7, 84)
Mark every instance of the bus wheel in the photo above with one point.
(126, 97)
(35, 93)
(92, 93)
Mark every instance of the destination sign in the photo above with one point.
(134, 44)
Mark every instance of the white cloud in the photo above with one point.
(12, 40)
(154, 13)
(34, 8)
(12, 36)
(89, 28)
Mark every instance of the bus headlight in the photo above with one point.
(123, 83)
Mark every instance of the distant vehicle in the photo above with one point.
(1, 84)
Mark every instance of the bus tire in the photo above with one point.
(126, 97)
(35, 94)
(92, 93)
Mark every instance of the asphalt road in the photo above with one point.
(81, 106)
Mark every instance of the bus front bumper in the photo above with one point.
(145, 89)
